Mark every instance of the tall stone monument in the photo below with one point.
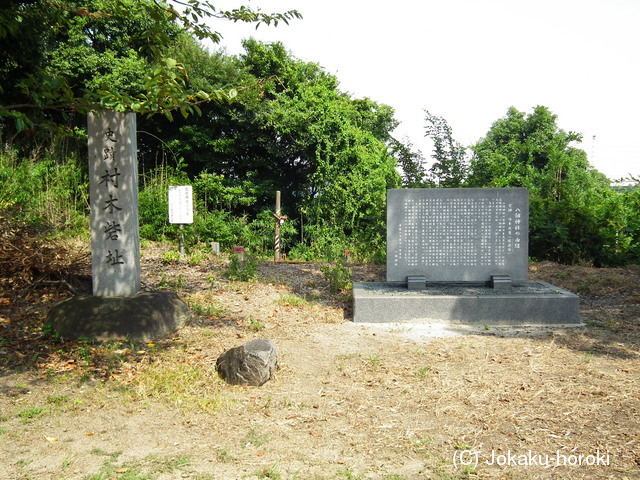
(117, 309)
(113, 190)
(461, 255)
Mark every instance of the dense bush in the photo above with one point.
(214, 220)
(45, 192)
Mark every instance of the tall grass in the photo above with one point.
(48, 192)
(52, 192)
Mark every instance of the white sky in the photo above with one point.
(470, 60)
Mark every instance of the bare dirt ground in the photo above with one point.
(348, 402)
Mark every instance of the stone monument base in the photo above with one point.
(144, 316)
(526, 303)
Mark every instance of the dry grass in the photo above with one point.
(348, 402)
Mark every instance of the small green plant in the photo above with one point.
(224, 456)
(422, 443)
(196, 258)
(290, 300)
(338, 276)
(462, 446)
(175, 283)
(349, 474)
(424, 371)
(171, 256)
(255, 325)
(255, 438)
(103, 453)
(57, 399)
(374, 361)
(31, 414)
(341, 360)
(170, 464)
(67, 461)
(270, 472)
(587, 357)
(468, 471)
(206, 310)
(244, 271)
(48, 331)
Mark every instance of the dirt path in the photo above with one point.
(348, 402)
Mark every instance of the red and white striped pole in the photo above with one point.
(276, 247)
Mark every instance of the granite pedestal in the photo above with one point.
(526, 303)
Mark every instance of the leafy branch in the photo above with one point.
(166, 87)
(195, 12)
(165, 92)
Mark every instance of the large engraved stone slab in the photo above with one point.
(461, 255)
(113, 188)
(461, 234)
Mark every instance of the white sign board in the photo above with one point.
(180, 204)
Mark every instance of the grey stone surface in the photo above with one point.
(253, 363)
(145, 316)
(113, 189)
(457, 234)
(528, 303)
(416, 282)
(471, 246)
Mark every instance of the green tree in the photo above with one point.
(574, 213)
(450, 166)
(335, 147)
(43, 46)
(412, 165)
(519, 144)
(296, 132)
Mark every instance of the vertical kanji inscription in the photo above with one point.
(113, 183)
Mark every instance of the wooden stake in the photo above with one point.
(181, 241)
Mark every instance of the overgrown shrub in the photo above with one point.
(244, 271)
(338, 275)
(45, 192)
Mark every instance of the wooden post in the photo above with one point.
(181, 242)
(277, 255)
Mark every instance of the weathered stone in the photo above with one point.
(145, 316)
(113, 191)
(251, 364)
